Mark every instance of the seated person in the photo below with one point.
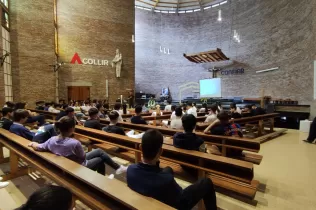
(9, 104)
(6, 121)
(33, 117)
(176, 123)
(212, 114)
(246, 112)
(20, 117)
(50, 197)
(137, 119)
(70, 112)
(124, 109)
(168, 106)
(65, 145)
(191, 109)
(46, 107)
(101, 110)
(144, 109)
(148, 179)
(40, 105)
(223, 127)
(204, 108)
(234, 113)
(257, 110)
(117, 108)
(54, 108)
(188, 139)
(113, 128)
(94, 120)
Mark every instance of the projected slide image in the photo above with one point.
(211, 88)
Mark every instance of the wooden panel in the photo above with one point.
(209, 56)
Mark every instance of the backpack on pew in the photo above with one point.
(44, 133)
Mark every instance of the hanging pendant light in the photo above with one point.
(219, 15)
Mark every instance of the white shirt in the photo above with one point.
(53, 110)
(192, 111)
(173, 115)
(176, 123)
(168, 108)
(238, 110)
(211, 118)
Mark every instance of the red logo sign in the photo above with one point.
(75, 59)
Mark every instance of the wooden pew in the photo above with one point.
(93, 189)
(245, 144)
(227, 173)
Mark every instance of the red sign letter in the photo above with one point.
(76, 58)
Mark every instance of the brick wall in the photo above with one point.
(273, 34)
(95, 29)
(32, 50)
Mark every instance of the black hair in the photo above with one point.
(47, 104)
(39, 102)
(204, 105)
(64, 124)
(138, 109)
(57, 105)
(184, 107)
(214, 108)
(223, 117)
(49, 198)
(65, 106)
(20, 114)
(94, 101)
(233, 106)
(106, 106)
(194, 104)
(93, 111)
(169, 101)
(248, 106)
(152, 142)
(113, 115)
(98, 106)
(178, 112)
(124, 109)
(188, 122)
(117, 106)
(6, 110)
(20, 105)
(173, 108)
(69, 110)
(189, 104)
(10, 104)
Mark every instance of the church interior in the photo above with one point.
(158, 104)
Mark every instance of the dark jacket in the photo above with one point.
(152, 181)
(188, 141)
(138, 120)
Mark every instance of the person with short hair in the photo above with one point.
(188, 139)
(113, 128)
(101, 110)
(191, 109)
(65, 145)
(94, 120)
(117, 108)
(46, 107)
(50, 197)
(137, 119)
(33, 117)
(257, 110)
(54, 108)
(168, 106)
(148, 179)
(234, 113)
(204, 108)
(6, 121)
(9, 104)
(176, 123)
(39, 105)
(212, 114)
(20, 117)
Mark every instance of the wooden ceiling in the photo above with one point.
(206, 57)
(177, 5)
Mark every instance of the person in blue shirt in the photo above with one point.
(148, 179)
(20, 116)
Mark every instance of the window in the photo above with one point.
(7, 65)
(5, 2)
(5, 18)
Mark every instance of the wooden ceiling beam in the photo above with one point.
(157, 2)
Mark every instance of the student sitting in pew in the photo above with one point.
(191, 109)
(212, 114)
(50, 197)
(173, 112)
(117, 108)
(33, 117)
(257, 110)
(9, 104)
(188, 139)
(66, 146)
(148, 179)
(39, 105)
(46, 107)
(54, 108)
(204, 108)
(101, 113)
(137, 119)
(6, 121)
(176, 123)
(168, 106)
(234, 113)
(113, 128)
(70, 112)
(94, 120)
(20, 117)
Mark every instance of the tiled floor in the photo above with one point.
(288, 170)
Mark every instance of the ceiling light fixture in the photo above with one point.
(219, 15)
